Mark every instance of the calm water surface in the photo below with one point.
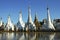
(29, 36)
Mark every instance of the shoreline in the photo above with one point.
(33, 31)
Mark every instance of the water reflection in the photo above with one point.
(45, 36)
(29, 36)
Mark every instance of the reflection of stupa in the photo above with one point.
(10, 36)
(51, 36)
(48, 24)
(34, 37)
(30, 24)
(22, 37)
(20, 23)
(9, 25)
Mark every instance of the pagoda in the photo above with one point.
(48, 24)
(9, 25)
(20, 24)
(30, 25)
(1, 24)
(38, 25)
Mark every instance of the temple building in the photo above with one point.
(30, 25)
(48, 24)
(38, 25)
(9, 25)
(20, 24)
(56, 23)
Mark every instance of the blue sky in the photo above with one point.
(13, 7)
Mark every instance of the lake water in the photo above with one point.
(29, 36)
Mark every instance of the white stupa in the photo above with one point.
(48, 24)
(30, 24)
(20, 24)
(1, 22)
(9, 24)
